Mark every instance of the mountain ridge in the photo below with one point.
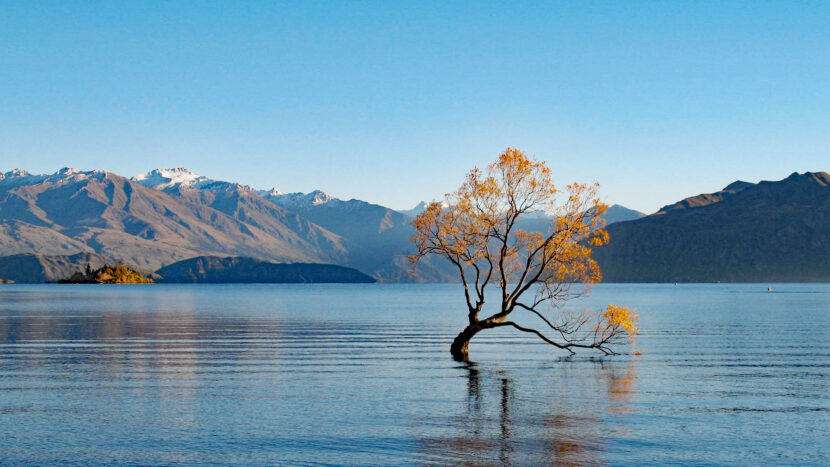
(102, 212)
(768, 231)
(168, 215)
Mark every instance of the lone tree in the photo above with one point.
(477, 228)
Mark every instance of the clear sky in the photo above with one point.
(393, 102)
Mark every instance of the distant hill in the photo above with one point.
(213, 269)
(617, 213)
(31, 268)
(769, 231)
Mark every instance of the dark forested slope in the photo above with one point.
(769, 231)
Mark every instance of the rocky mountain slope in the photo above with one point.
(769, 231)
(354, 233)
(104, 213)
(379, 237)
(245, 205)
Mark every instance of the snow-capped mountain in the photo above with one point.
(72, 211)
(294, 201)
(164, 179)
(16, 175)
(20, 177)
(369, 237)
(378, 237)
(269, 193)
(419, 208)
(178, 179)
(167, 215)
(244, 204)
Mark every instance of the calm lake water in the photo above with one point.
(361, 375)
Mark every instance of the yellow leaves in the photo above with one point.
(477, 227)
(483, 213)
(528, 241)
(479, 230)
(599, 237)
(620, 317)
(599, 206)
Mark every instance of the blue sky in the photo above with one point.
(393, 102)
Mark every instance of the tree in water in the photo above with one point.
(477, 229)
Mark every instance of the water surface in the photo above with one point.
(361, 375)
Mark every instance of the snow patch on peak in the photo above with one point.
(319, 197)
(67, 174)
(298, 200)
(168, 178)
(19, 177)
(173, 180)
(421, 207)
(270, 193)
(17, 173)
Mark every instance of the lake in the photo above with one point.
(361, 375)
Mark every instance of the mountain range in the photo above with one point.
(766, 231)
(168, 215)
(100, 212)
(747, 232)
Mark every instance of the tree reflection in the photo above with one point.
(519, 418)
(622, 388)
(505, 440)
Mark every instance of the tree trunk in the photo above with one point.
(458, 349)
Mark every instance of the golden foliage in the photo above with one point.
(477, 229)
(622, 317)
(485, 210)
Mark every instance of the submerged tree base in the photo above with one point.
(459, 347)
